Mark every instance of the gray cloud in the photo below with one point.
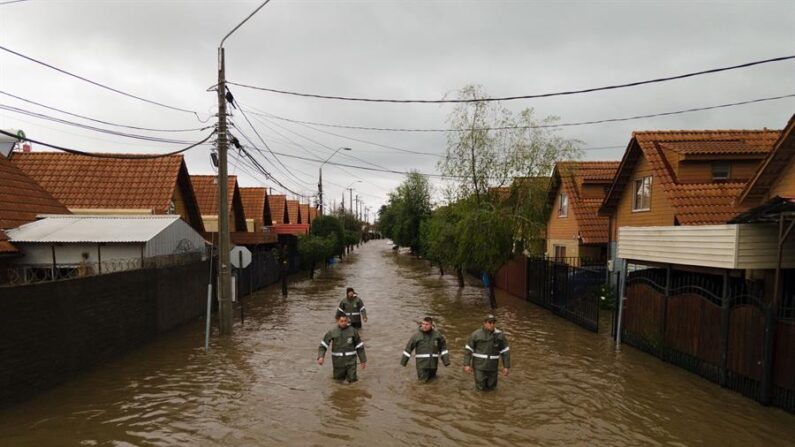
(167, 51)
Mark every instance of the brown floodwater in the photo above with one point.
(261, 386)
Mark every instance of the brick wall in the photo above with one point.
(50, 331)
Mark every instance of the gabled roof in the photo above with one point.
(312, 214)
(206, 188)
(278, 206)
(79, 181)
(593, 228)
(293, 212)
(694, 203)
(771, 168)
(21, 198)
(81, 228)
(305, 213)
(255, 205)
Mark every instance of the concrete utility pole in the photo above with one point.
(320, 175)
(357, 206)
(224, 244)
(350, 194)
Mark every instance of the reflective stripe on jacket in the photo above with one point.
(353, 308)
(345, 346)
(429, 347)
(484, 350)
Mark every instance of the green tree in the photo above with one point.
(488, 148)
(314, 249)
(411, 204)
(325, 226)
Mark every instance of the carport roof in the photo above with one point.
(95, 229)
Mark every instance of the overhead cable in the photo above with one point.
(100, 85)
(530, 96)
(540, 126)
(55, 109)
(108, 155)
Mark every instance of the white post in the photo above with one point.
(622, 287)
(209, 310)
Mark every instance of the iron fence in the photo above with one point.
(571, 289)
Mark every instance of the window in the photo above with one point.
(560, 251)
(563, 211)
(721, 170)
(642, 199)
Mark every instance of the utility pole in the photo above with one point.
(357, 206)
(224, 281)
(350, 193)
(343, 202)
(320, 189)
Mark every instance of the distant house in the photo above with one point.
(206, 187)
(65, 246)
(278, 207)
(21, 200)
(312, 214)
(257, 208)
(97, 185)
(574, 229)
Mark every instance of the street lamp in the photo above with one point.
(320, 178)
(350, 191)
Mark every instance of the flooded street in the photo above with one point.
(262, 386)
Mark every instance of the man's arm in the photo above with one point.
(404, 359)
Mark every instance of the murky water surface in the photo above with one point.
(262, 386)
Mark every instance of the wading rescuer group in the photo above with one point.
(482, 353)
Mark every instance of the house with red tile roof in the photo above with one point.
(206, 187)
(574, 227)
(312, 214)
(101, 185)
(692, 177)
(278, 207)
(256, 207)
(704, 227)
(21, 200)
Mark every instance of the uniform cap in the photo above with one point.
(491, 318)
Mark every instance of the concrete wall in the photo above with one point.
(51, 331)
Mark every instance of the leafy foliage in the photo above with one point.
(325, 226)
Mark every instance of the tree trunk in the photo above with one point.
(441, 269)
(492, 297)
(312, 270)
(460, 276)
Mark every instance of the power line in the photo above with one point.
(512, 98)
(540, 126)
(55, 109)
(100, 85)
(93, 128)
(8, 2)
(116, 156)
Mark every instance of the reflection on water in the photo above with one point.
(262, 386)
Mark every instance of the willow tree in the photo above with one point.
(489, 147)
(408, 206)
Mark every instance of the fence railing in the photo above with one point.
(21, 274)
(569, 289)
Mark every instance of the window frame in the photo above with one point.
(728, 170)
(637, 200)
(563, 211)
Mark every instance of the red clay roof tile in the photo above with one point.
(278, 206)
(22, 198)
(80, 181)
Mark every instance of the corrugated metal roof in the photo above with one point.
(74, 228)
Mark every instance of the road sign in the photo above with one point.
(240, 257)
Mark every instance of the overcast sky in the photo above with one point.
(167, 51)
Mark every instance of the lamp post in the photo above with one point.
(224, 280)
(350, 193)
(320, 177)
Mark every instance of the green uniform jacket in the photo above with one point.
(484, 349)
(353, 308)
(429, 347)
(345, 345)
